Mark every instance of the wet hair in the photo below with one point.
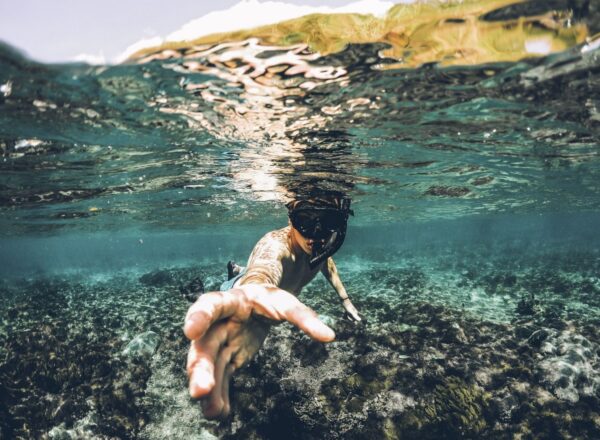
(328, 201)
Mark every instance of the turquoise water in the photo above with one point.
(474, 252)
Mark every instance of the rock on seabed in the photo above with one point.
(143, 345)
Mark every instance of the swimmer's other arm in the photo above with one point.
(331, 273)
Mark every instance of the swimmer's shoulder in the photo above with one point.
(273, 243)
(279, 235)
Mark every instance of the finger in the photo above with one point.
(207, 310)
(283, 305)
(200, 371)
(353, 317)
(229, 369)
(213, 405)
(307, 321)
(201, 361)
(353, 313)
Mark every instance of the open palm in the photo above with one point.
(227, 328)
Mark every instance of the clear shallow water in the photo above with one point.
(477, 204)
(200, 137)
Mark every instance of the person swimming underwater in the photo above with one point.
(228, 327)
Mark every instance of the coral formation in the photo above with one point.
(445, 352)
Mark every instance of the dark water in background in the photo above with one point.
(183, 160)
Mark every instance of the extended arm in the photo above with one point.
(225, 334)
(331, 273)
(225, 331)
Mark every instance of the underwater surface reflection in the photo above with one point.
(210, 129)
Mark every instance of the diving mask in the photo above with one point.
(324, 224)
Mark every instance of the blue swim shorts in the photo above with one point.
(229, 284)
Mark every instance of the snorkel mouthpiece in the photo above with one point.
(321, 253)
(324, 222)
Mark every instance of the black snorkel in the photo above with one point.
(321, 253)
(318, 222)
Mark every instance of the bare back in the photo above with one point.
(276, 261)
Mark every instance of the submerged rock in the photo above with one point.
(59, 377)
(82, 429)
(526, 305)
(142, 346)
(192, 290)
(571, 367)
(157, 278)
(457, 409)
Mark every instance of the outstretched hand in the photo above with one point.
(226, 333)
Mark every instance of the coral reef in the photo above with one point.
(449, 348)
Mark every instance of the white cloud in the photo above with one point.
(90, 58)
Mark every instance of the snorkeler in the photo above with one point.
(228, 327)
